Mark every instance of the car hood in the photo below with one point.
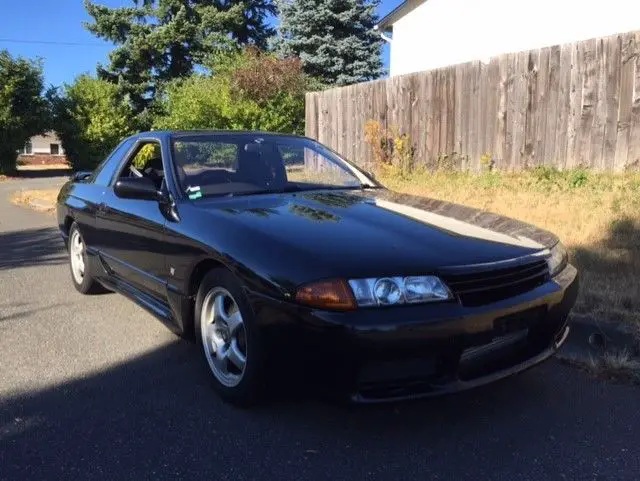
(378, 232)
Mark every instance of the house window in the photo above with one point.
(55, 149)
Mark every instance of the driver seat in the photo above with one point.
(155, 171)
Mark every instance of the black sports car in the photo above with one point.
(277, 253)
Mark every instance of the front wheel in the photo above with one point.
(231, 343)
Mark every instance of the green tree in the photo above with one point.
(23, 110)
(90, 119)
(161, 40)
(251, 90)
(334, 38)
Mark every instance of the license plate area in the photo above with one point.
(499, 342)
(518, 321)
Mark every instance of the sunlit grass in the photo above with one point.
(597, 216)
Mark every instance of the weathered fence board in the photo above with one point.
(572, 105)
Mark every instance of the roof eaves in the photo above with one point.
(397, 13)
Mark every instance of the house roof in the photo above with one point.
(397, 13)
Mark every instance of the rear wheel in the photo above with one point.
(231, 343)
(79, 263)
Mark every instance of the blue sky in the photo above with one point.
(24, 23)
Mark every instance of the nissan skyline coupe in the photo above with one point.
(284, 261)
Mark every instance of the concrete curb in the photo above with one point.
(590, 340)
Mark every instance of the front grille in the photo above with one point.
(480, 288)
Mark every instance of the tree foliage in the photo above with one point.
(160, 40)
(90, 119)
(252, 91)
(23, 110)
(334, 38)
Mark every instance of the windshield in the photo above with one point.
(243, 164)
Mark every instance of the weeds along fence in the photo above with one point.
(574, 105)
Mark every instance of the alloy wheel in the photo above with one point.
(224, 336)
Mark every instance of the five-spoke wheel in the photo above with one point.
(224, 337)
(231, 342)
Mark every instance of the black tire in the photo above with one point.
(251, 387)
(87, 285)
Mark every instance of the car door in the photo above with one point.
(92, 191)
(130, 232)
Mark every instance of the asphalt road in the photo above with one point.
(95, 388)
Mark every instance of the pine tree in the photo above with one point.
(161, 40)
(334, 38)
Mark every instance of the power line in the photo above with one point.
(52, 42)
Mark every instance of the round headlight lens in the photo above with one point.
(387, 291)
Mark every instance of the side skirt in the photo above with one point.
(154, 306)
(176, 314)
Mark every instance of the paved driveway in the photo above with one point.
(95, 388)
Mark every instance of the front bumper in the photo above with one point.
(384, 354)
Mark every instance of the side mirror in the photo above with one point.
(141, 188)
(80, 175)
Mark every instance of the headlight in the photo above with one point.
(388, 291)
(557, 261)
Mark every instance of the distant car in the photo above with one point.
(281, 257)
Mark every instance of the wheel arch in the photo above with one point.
(199, 271)
(188, 300)
(68, 222)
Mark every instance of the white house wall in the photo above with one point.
(445, 32)
(41, 144)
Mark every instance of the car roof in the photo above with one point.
(191, 133)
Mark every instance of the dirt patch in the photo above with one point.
(41, 200)
(28, 168)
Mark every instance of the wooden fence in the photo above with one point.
(566, 106)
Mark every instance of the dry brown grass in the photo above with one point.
(597, 216)
(47, 197)
(619, 366)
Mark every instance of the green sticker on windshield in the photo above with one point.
(195, 195)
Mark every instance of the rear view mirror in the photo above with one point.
(253, 147)
(141, 188)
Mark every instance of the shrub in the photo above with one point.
(249, 90)
(90, 120)
(391, 149)
(23, 110)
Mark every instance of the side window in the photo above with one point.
(107, 169)
(146, 161)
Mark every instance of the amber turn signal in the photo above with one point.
(332, 295)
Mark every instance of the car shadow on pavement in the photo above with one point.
(156, 417)
(31, 247)
(18, 311)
